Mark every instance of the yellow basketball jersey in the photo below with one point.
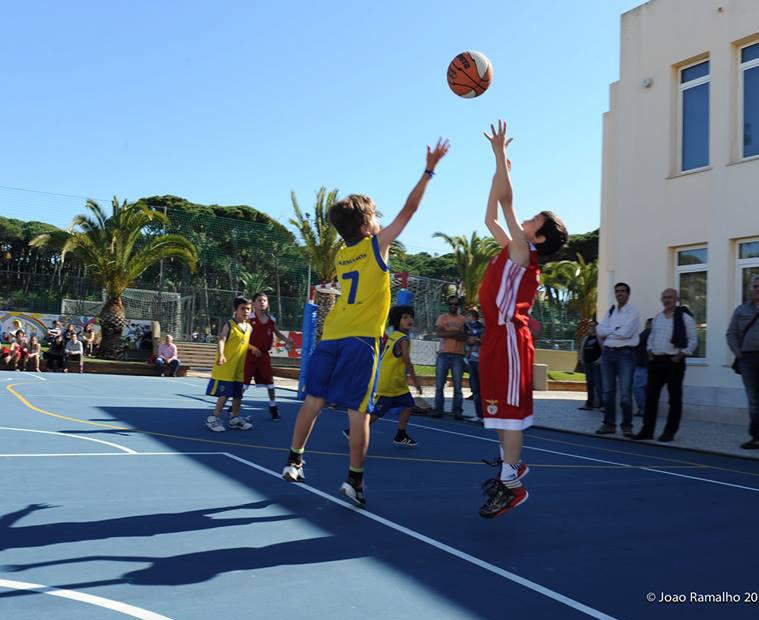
(361, 309)
(392, 379)
(235, 349)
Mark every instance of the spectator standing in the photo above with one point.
(473, 328)
(618, 331)
(450, 328)
(168, 356)
(74, 350)
(590, 356)
(672, 339)
(640, 376)
(743, 340)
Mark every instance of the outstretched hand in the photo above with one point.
(498, 140)
(436, 154)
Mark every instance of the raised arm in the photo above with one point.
(389, 234)
(519, 247)
(491, 217)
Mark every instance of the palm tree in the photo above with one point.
(471, 257)
(321, 244)
(117, 251)
(575, 285)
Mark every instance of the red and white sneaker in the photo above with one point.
(489, 484)
(502, 499)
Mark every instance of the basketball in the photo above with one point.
(469, 74)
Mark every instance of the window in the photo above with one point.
(694, 116)
(748, 266)
(690, 280)
(749, 73)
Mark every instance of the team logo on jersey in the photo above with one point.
(492, 407)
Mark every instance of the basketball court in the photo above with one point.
(118, 502)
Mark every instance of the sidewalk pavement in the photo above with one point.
(559, 411)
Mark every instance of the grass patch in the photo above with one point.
(560, 375)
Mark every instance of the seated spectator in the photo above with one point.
(19, 351)
(33, 359)
(55, 330)
(56, 354)
(88, 340)
(74, 351)
(70, 331)
(167, 356)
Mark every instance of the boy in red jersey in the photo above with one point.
(507, 293)
(258, 361)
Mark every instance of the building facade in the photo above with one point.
(680, 185)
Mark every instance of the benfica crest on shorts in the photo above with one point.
(492, 407)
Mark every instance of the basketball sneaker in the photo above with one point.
(502, 499)
(404, 441)
(274, 413)
(215, 424)
(357, 496)
(293, 472)
(239, 424)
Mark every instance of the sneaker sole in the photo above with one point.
(405, 445)
(289, 478)
(215, 430)
(344, 491)
(503, 511)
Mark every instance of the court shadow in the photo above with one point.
(13, 536)
(188, 568)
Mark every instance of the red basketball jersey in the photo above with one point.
(262, 336)
(507, 293)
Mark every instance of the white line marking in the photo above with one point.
(36, 376)
(107, 443)
(588, 458)
(113, 454)
(90, 599)
(536, 587)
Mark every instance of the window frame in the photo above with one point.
(697, 268)
(740, 265)
(742, 68)
(681, 88)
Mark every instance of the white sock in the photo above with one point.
(509, 475)
(272, 403)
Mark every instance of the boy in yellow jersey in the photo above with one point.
(343, 368)
(395, 365)
(227, 378)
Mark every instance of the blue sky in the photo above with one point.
(242, 102)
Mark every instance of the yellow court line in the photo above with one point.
(682, 464)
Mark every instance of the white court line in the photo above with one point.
(90, 599)
(588, 458)
(49, 454)
(536, 587)
(107, 443)
(35, 375)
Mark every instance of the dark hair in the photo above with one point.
(240, 301)
(474, 312)
(396, 314)
(19, 331)
(555, 233)
(456, 297)
(259, 294)
(350, 214)
(625, 284)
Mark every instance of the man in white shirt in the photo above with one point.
(618, 331)
(74, 352)
(672, 339)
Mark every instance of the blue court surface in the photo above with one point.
(117, 502)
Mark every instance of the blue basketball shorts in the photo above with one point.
(230, 389)
(344, 372)
(387, 404)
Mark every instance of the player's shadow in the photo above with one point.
(189, 568)
(13, 536)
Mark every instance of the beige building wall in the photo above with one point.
(649, 209)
